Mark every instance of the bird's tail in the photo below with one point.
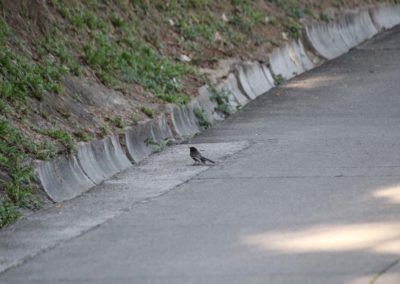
(211, 161)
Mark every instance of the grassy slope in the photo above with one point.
(128, 46)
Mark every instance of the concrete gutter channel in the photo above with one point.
(95, 162)
(63, 179)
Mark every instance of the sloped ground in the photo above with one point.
(77, 70)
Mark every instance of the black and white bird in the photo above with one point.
(198, 158)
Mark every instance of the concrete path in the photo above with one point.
(314, 199)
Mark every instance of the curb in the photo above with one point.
(386, 16)
(291, 60)
(64, 179)
(333, 39)
(231, 85)
(102, 159)
(254, 79)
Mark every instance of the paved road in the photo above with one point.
(314, 199)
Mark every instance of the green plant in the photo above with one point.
(64, 113)
(204, 123)
(117, 121)
(293, 28)
(221, 97)
(148, 111)
(292, 8)
(81, 135)
(324, 17)
(135, 119)
(278, 79)
(63, 137)
(117, 21)
(157, 146)
(103, 130)
(8, 213)
(14, 149)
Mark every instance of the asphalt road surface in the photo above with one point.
(315, 198)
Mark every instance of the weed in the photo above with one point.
(278, 79)
(117, 121)
(157, 146)
(14, 149)
(204, 123)
(8, 213)
(221, 97)
(63, 137)
(135, 119)
(324, 17)
(273, 21)
(117, 21)
(64, 113)
(293, 28)
(81, 135)
(292, 8)
(147, 111)
(103, 130)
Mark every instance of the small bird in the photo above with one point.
(197, 157)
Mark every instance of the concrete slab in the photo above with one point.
(183, 119)
(238, 99)
(252, 79)
(63, 178)
(336, 37)
(386, 16)
(290, 60)
(135, 139)
(101, 159)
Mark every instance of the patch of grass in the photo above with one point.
(78, 16)
(273, 21)
(136, 63)
(103, 131)
(246, 17)
(14, 151)
(157, 146)
(81, 135)
(221, 97)
(117, 21)
(63, 137)
(64, 112)
(148, 111)
(324, 17)
(293, 28)
(8, 213)
(20, 78)
(60, 48)
(117, 121)
(292, 8)
(204, 123)
(135, 119)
